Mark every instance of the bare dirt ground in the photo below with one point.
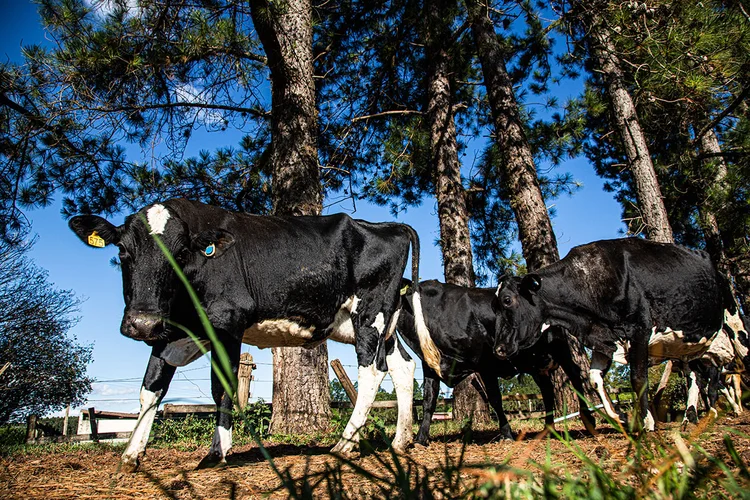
(91, 472)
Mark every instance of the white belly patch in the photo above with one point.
(278, 333)
(666, 345)
(670, 344)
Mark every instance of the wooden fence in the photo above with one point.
(106, 425)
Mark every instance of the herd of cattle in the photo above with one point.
(298, 281)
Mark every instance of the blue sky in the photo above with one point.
(118, 362)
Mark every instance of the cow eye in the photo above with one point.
(209, 251)
(507, 301)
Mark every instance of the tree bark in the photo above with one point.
(518, 173)
(517, 169)
(648, 194)
(453, 215)
(709, 143)
(301, 400)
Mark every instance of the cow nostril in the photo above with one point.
(141, 326)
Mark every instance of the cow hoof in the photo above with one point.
(401, 445)
(422, 440)
(506, 433)
(344, 448)
(691, 415)
(128, 466)
(589, 423)
(684, 425)
(212, 461)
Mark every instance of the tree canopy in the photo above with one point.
(47, 367)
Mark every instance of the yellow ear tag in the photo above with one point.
(95, 240)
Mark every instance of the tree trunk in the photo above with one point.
(301, 400)
(648, 194)
(709, 143)
(518, 172)
(455, 238)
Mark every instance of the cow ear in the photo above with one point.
(95, 231)
(213, 242)
(531, 283)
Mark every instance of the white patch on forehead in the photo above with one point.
(157, 217)
(545, 326)
(277, 333)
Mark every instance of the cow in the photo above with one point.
(460, 322)
(707, 375)
(627, 289)
(265, 281)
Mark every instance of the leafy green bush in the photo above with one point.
(196, 431)
(12, 435)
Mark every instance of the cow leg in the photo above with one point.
(564, 357)
(368, 382)
(711, 381)
(731, 391)
(493, 396)
(544, 382)
(370, 347)
(639, 381)
(431, 390)
(155, 384)
(401, 369)
(693, 392)
(600, 363)
(222, 441)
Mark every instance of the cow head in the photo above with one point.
(519, 315)
(150, 283)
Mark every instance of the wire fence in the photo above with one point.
(182, 381)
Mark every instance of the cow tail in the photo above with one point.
(430, 352)
(414, 238)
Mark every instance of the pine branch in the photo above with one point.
(387, 113)
(260, 113)
(713, 123)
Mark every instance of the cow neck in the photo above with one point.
(562, 305)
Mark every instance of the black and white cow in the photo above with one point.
(460, 322)
(632, 290)
(265, 281)
(704, 375)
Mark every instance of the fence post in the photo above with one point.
(244, 376)
(31, 428)
(65, 421)
(92, 423)
(346, 383)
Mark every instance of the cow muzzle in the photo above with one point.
(505, 350)
(501, 352)
(142, 326)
